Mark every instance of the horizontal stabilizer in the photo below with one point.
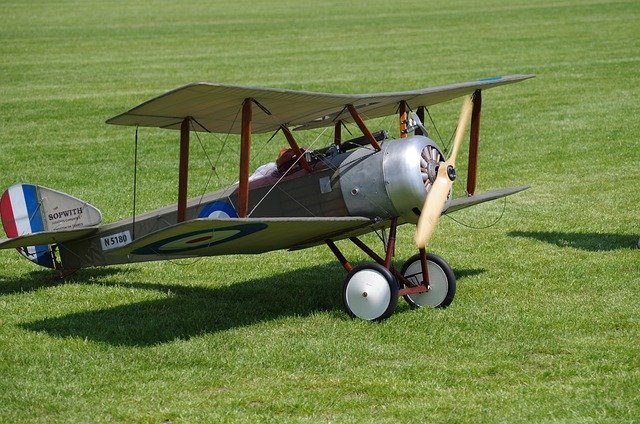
(45, 238)
(465, 202)
(209, 237)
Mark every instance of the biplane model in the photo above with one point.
(307, 198)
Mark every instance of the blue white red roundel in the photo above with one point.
(217, 210)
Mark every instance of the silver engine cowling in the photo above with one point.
(392, 182)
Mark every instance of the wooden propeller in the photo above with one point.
(437, 196)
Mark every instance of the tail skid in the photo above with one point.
(35, 218)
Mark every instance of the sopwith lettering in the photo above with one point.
(65, 214)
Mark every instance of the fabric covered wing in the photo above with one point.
(46, 237)
(465, 202)
(216, 107)
(209, 237)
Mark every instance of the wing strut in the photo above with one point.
(296, 149)
(474, 138)
(358, 120)
(183, 172)
(245, 155)
(420, 113)
(337, 135)
(402, 111)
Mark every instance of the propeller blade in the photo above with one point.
(437, 195)
(465, 115)
(432, 208)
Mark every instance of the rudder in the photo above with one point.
(27, 209)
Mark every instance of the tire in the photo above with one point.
(442, 282)
(370, 292)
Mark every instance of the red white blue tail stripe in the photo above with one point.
(21, 215)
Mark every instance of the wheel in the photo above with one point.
(442, 282)
(370, 292)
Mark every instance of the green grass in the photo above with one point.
(545, 323)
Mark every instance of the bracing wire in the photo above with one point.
(226, 138)
(284, 174)
(457, 221)
(206, 154)
(135, 184)
(214, 165)
(435, 127)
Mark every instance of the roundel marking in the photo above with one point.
(199, 239)
(218, 209)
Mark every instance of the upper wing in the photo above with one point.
(215, 107)
(208, 237)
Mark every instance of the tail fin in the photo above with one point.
(28, 209)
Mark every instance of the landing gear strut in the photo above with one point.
(371, 291)
(442, 282)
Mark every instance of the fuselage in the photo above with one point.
(379, 185)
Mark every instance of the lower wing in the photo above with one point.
(465, 202)
(209, 237)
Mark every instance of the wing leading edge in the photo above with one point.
(465, 202)
(214, 107)
(208, 237)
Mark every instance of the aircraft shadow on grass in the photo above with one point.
(36, 280)
(192, 311)
(595, 242)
